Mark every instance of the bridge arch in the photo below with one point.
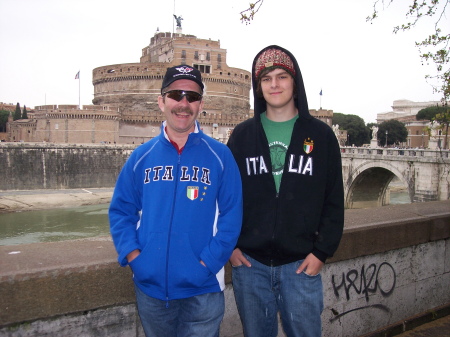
(368, 184)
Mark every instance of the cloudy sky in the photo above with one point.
(360, 67)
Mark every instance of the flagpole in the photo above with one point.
(320, 99)
(79, 91)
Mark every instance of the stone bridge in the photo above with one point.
(368, 172)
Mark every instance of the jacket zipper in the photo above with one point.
(170, 230)
(277, 194)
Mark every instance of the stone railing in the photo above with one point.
(392, 264)
(396, 152)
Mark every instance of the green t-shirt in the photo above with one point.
(279, 137)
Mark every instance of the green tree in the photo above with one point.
(443, 119)
(430, 112)
(396, 132)
(439, 114)
(3, 120)
(435, 47)
(24, 113)
(17, 113)
(358, 133)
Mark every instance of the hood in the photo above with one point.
(300, 101)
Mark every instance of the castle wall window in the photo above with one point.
(219, 57)
(196, 55)
(183, 54)
(208, 56)
(203, 68)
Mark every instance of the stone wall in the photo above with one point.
(29, 166)
(67, 124)
(392, 263)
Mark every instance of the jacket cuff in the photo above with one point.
(122, 258)
(320, 255)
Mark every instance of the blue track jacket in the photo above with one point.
(178, 210)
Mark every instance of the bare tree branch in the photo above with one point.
(248, 14)
(435, 46)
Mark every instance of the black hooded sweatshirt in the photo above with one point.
(307, 215)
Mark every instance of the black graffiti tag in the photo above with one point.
(367, 282)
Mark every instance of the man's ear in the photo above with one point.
(200, 107)
(161, 102)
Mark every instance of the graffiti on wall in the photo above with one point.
(368, 281)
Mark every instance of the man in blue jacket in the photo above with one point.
(291, 172)
(176, 214)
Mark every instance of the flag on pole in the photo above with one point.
(77, 77)
(320, 92)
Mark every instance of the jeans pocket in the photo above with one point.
(238, 266)
(304, 272)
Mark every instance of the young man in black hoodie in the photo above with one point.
(293, 194)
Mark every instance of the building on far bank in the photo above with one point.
(125, 108)
(404, 110)
(417, 134)
(421, 133)
(8, 107)
(67, 124)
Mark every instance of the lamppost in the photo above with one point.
(386, 138)
(422, 140)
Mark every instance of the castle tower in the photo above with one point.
(135, 87)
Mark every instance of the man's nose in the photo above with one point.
(184, 100)
(274, 82)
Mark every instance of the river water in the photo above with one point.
(77, 223)
(54, 224)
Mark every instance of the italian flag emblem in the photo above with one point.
(308, 145)
(192, 192)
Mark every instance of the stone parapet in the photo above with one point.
(392, 263)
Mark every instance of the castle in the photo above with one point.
(125, 106)
(125, 109)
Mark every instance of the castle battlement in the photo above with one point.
(156, 71)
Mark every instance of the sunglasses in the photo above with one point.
(178, 95)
